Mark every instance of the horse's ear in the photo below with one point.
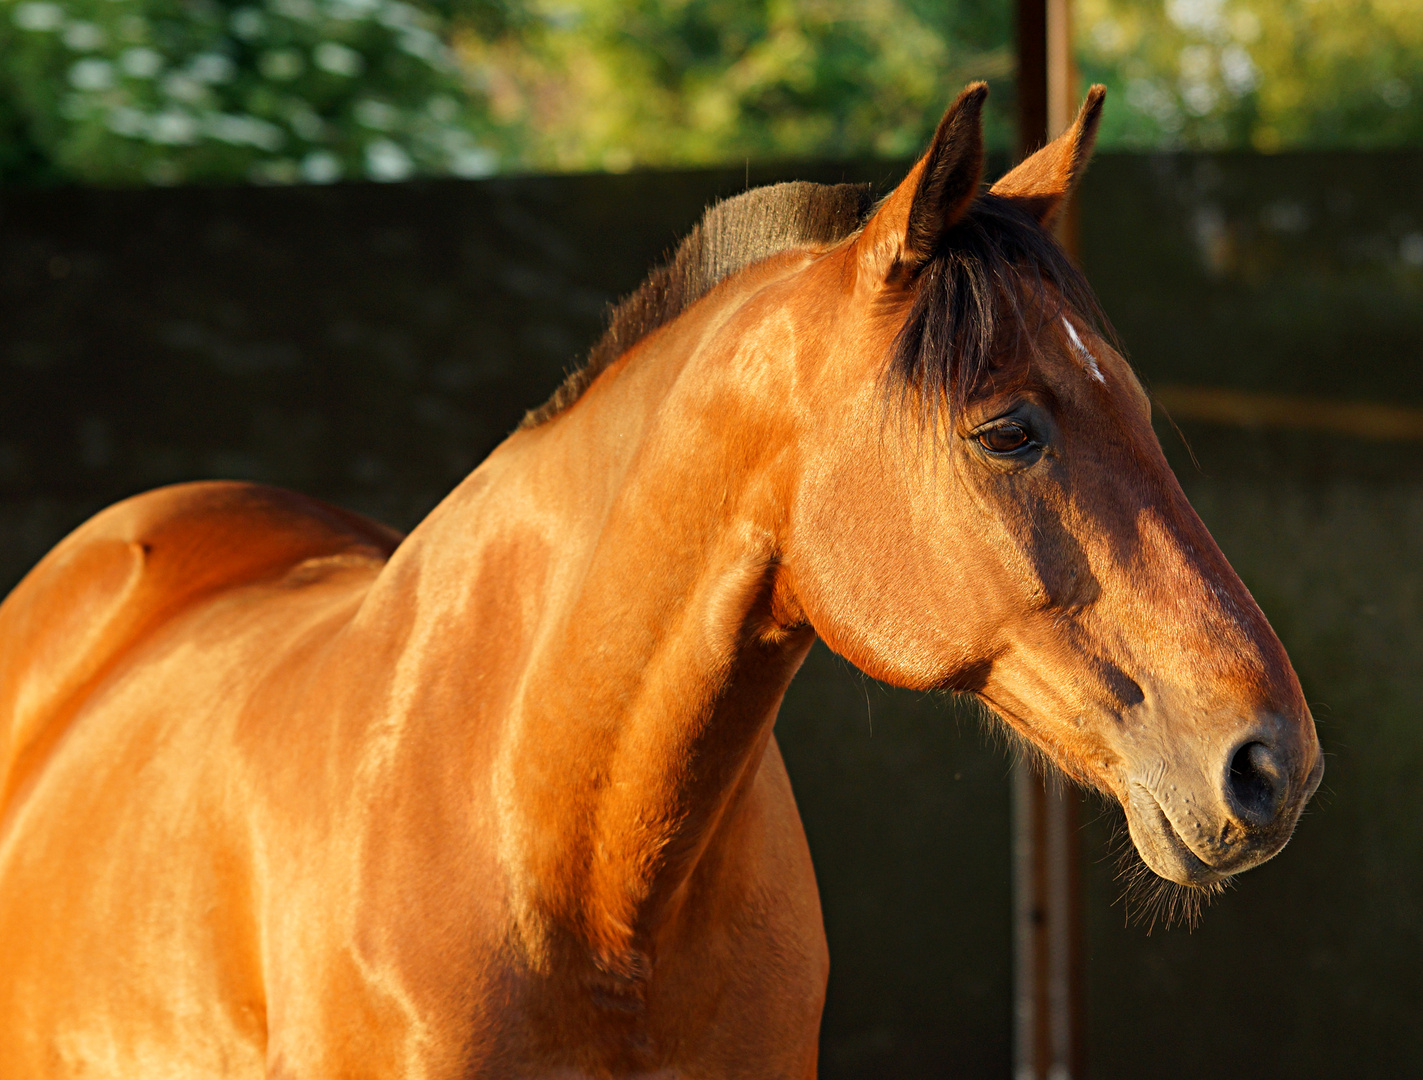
(905, 230)
(1042, 182)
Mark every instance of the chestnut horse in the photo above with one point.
(287, 795)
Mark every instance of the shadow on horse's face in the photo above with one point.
(1131, 652)
(1038, 553)
(1028, 544)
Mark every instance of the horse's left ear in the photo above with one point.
(905, 230)
(1041, 183)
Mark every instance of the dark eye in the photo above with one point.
(1004, 438)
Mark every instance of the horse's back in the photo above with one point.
(127, 571)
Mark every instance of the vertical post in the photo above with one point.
(1061, 100)
(1047, 909)
(1047, 918)
(1047, 91)
(1032, 75)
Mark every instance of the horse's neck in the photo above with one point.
(629, 553)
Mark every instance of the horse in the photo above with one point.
(286, 794)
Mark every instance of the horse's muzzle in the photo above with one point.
(1196, 825)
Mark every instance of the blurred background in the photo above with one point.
(342, 245)
(288, 91)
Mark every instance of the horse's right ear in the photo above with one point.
(1041, 183)
(905, 231)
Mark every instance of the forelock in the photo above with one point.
(996, 282)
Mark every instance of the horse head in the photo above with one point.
(982, 505)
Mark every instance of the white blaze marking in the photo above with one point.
(1087, 358)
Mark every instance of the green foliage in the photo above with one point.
(1267, 74)
(613, 83)
(164, 91)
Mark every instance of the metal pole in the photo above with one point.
(1048, 984)
(1047, 990)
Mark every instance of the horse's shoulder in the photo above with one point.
(137, 564)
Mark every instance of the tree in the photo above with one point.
(616, 83)
(166, 91)
(1268, 74)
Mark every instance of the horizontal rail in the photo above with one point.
(1369, 420)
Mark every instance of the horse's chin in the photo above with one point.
(1161, 847)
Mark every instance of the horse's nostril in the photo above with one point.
(1256, 783)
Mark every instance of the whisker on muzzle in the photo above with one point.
(1147, 898)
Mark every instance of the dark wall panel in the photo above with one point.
(1292, 274)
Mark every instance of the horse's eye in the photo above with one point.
(1004, 439)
